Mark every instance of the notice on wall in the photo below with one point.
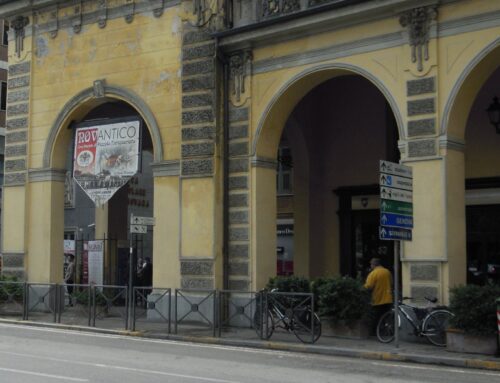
(95, 262)
(69, 246)
(106, 156)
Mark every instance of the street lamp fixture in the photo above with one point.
(494, 114)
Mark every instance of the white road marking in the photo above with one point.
(441, 369)
(66, 378)
(157, 341)
(114, 367)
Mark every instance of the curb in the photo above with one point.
(488, 364)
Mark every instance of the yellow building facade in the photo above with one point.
(222, 88)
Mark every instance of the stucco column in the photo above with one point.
(263, 237)
(46, 226)
(434, 260)
(166, 266)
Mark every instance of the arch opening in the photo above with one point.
(328, 147)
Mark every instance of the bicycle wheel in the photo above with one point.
(385, 327)
(301, 325)
(434, 327)
(264, 327)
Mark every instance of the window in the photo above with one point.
(3, 96)
(284, 175)
(5, 39)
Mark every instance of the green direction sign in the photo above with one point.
(397, 207)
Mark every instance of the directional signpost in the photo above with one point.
(138, 225)
(396, 201)
(396, 215)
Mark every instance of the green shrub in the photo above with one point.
(291, 284)
(342, 298)
(475, 308)
(10, 288)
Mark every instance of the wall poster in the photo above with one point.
(106, 156)
(95, 262)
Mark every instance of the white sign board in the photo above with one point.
(69, 246)
(96, 262)
(140, 229)
(395, 169)
(149, 221)
(396, 194)
(106, 156)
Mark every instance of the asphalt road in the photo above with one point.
(40, 355)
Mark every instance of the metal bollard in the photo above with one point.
(498, 325)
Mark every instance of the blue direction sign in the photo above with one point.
(396, 220)
(392, 233)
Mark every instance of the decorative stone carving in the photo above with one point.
(129, 17)
(157, 12)
(99, 88)
(240, 67)
(18, 24)
(418, 21)
(103, 13)
(211, 14)
(76, 23)
(272, 8)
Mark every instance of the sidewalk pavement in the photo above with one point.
(411, 352)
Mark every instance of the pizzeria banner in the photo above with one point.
(106, 156)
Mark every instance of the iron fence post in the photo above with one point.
(89, 303)
(169, 310)
(498, 327)
(175, 311)
(56, 303)
(312, 318)
(127, 307)
(25, 301)
(134, 299)
(214, 332)
(219, 308)
(93, 305)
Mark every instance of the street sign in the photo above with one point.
(396, 182)
(149, 221)
(395, 233)
(396, 194)
(397, 207)
(396, 169)
(140, 229)
(396, 220)
(396, 201)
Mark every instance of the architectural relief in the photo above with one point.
(240, 67)
(210, 14)
(18, 24)
(74, 16)
(272, 8)
(418, 22)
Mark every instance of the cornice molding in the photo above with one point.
(263, 162)
(166, 168)
(46, 174)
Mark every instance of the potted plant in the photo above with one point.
(344, 305)
(474, 327)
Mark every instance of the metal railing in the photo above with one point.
(195, 303)
(149, 304)
(151, 309)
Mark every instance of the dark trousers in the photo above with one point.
(377, 312)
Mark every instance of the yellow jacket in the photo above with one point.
(380, 282)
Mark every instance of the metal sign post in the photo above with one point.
(396, 218)
(138, 225)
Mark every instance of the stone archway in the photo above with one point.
(473, 173)
(88, 99)
(264, 148)
(47, 183)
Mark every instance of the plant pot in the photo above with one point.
(459, 341)
(358, 329)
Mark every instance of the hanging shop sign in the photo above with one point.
(106, 156)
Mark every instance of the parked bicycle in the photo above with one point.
(429, 322)
(288, 311)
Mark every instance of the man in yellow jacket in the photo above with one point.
(379, 281)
